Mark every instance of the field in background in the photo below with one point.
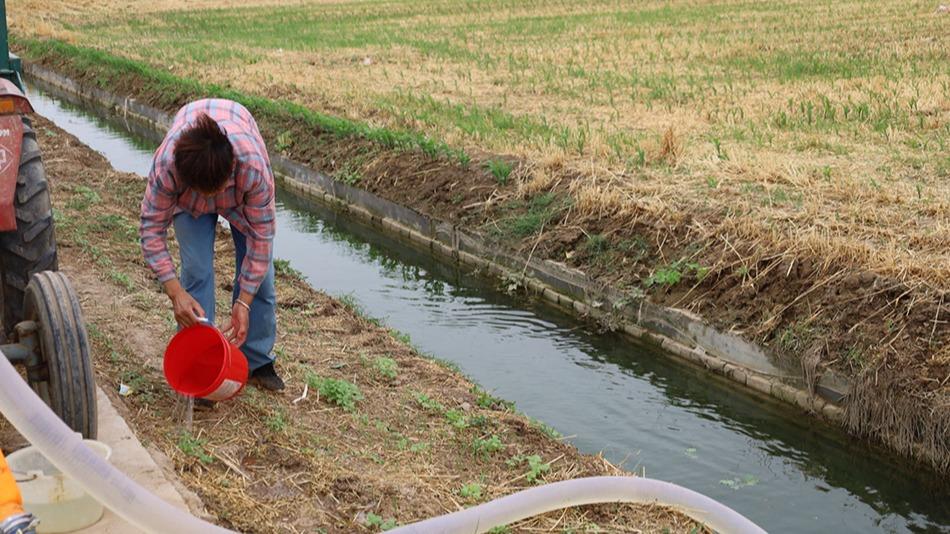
(817, 127)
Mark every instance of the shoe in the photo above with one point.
(265, 377)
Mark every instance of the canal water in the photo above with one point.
(778, 466)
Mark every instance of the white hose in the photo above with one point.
(138, 506)
(593, 490)
(65, 449)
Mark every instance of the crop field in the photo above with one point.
(818, 127)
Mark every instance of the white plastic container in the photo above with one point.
(57, 501)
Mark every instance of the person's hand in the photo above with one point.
(236, 330)
(187, 309)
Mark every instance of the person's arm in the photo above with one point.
(260, 213)
(157, 210)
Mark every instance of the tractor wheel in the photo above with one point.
(65, 379)
(32, 247)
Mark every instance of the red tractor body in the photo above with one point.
(13, 104)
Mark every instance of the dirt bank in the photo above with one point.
(383, 436)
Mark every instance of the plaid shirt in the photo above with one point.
(247, 202)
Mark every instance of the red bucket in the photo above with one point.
(201, 363)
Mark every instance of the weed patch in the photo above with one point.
(340, 392)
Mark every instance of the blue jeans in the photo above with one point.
(196, 244)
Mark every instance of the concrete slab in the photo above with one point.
(130, 457)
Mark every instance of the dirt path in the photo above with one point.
(383, 436)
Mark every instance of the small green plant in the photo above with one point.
(665, 276)
(429, 403)
(720, 153)
(536, 466)
(284, 141)
(795, 337)
(596, 245)
(471, 491)
(386, 367)
(457, 419)
(350, 302)
(503, 529)
(402, 337)
(340, 392)
(282, 267)
(194, 447)
(855, 356)
(122, 279)
(485, 447)
(377, 521)
(673, 273)
(419, 447)
(546, 429)
(277, 421)
(500, 169)
(641, 159)
(85, 197)
(488, 401)
(540, 210)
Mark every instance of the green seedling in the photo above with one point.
(500, 169)
(536, 466)
(386, 367)
(429, 403)
(488, 401)
(340, 392)
(457, 419)
(377, 521)
(471, 491)
(277, 421)
(194, 447)
(485, 447)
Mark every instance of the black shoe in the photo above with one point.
(265, 377)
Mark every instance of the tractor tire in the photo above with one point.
(32, 247)
(64, 377)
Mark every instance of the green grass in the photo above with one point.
(486, 400)
(340, 392)
(194, 447)
(428, 403)
(536, 466)
(174, 91)
(84, 199)
(376, 521)
(282, 268)
(277, 421)
(386, 367)
(671, 274)
(485, 447)
(534, 215)
(500, 169)
(471, 491)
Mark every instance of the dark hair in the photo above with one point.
(203, 155)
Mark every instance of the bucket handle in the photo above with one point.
(20, 477)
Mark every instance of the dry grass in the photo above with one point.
(271, 463)
(817, 127)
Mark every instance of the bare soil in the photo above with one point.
(288, 462)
